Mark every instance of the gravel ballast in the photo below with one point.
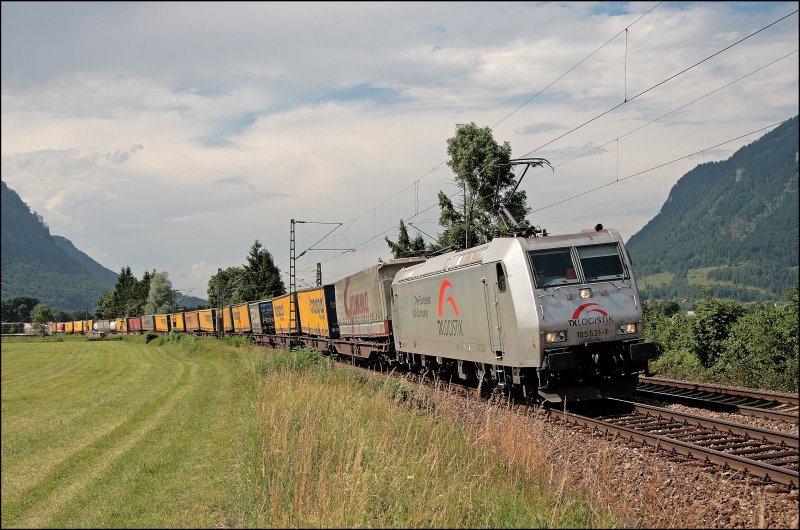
(643, 486)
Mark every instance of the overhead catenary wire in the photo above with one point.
(637, 129)
(726, 85)
(656, 167)
(626, 100)
(616, 181)
(416, 182)
(645, 91)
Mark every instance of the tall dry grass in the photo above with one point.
(338, 449)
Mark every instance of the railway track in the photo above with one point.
(773, 456)
(748, 402)
(763, 453)
(753, 451)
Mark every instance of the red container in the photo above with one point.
(135, 324)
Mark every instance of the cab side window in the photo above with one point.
(501, 278)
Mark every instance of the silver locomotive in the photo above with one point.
(544, 317)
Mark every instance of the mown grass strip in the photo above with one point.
(147, 449)
(184, 432)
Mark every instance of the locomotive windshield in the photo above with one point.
(601, 262)
(557, 266)
(553, 267)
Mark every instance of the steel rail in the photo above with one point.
(745, 410)
(753, 467)
(750, 431)
(780, 397)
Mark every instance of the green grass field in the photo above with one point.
(198, 433)
(108, 433)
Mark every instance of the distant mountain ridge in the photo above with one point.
(47, 267)
(104, 274)
(732, 225)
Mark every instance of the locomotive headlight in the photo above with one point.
(556, 336)
(626, 329)
(585, 293)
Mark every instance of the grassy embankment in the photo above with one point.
(200, 433)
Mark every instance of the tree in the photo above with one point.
(41, 314)
(159, 299)
(127, 298)
(761, 349)
(142, 292)
(405, 246)
(106, 306)
(222, 287)
(482, 169)
(262, 278)
(712, 324)
(18, 308)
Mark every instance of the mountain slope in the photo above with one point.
(737, 218)
(105, 275)
(34, 265)
(48, 267)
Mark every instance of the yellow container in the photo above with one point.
(122, 325)
(177, 322)
(317, 312)
(241, 318)
(227, 319)
(191, 320)
(77, 326)
(280, 307)
(208, 320)
(68, 327)
(162, 323)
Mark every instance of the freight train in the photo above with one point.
(544, 317)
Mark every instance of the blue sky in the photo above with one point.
(172, 135)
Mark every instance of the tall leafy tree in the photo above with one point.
(107, 306)
(18, 308)
(41, 314)
(262, 278)
(127, 298)
(712, 325)
(405, 246)
(223, 287)
(482, 170)
(142, 292)
(160, 297)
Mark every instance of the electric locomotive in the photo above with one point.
(543, 317)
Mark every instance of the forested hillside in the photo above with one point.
(34, 265)
(104, 274)
(50, 268)
(729, 225)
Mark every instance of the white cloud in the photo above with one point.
(172, 135)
